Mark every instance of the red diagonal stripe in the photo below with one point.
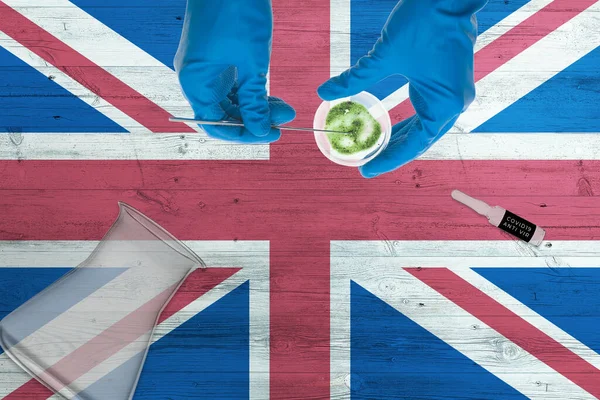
(88, 74)
(514, 42)
(79, 362)
(195, 286)
(510, 325)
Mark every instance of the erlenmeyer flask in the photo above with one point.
(99, 317)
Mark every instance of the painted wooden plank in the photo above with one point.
(299, 261)
(69, 253)
(163, 146)
(462, 252)
(138, 146)
(519, 179)
(340, 36)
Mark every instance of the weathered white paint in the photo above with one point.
(516, 146)
(148, 146)
(169, 146)
(251, 256)
(11, 375)
(340, 36)
(377, 266)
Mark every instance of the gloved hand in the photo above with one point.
(430, 42)
(222, 65)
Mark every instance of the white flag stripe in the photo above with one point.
(339, 329)
(340, 36)
(513, 146)
(516, 78)
(100, 146)
(529, 315)
(251, 256)
(483, 40)
(169, 146)
(454, 326)
(111, 51)
(71, 85)
(69, 253)
(556, 252)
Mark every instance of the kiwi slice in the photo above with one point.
(363, 130)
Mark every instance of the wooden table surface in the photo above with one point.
(314, 291)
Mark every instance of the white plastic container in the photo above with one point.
(379, 113)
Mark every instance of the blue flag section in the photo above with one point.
(17, 285)
(567, 297)
(394, 358)
(32, 102)
(205, 358)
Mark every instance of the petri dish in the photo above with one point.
(351, 150)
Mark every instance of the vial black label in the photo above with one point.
(517, 226)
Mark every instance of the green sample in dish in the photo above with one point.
(363, 130)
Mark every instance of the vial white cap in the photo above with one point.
(538, 236)
(477, 205)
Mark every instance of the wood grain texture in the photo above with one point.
(293, 197)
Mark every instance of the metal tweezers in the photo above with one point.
(233, 123)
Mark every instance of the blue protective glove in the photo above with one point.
(430, 42)
(222, 65)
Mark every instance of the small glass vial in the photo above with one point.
(503, 219)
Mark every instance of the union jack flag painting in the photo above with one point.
(320, 283)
